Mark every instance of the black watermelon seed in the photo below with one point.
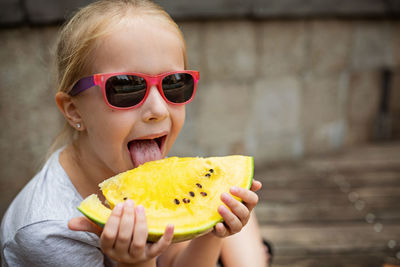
(208, 175)
(203, 194)
(185, 200)
(191, 193)
(211, 170)
(177, 201)
(199, 185)
(125, 198)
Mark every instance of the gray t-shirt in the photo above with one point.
(34, 230)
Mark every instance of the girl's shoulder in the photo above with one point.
(49, 196)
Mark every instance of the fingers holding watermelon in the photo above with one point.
(124, 237)
(238, 210)
(125, 229)
(156, 249)
(110, 232)
(238, 214)
(231, 221)
(249, 198)
(138, 243)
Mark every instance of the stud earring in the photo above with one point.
(78, 125)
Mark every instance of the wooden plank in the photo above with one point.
(312, 205)
(337, 210)
(329, 260)
(383, 156)
(317, 239)
(283, 195)
(275, 213)
(354, 164)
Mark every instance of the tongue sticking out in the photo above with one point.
(143, 151)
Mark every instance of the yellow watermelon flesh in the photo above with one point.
(184, 192)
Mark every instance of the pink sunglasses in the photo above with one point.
(126, 90)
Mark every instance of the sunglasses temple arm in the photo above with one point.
(82, 85)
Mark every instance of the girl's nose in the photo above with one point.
(155, 107)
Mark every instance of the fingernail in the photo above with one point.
(234, 189)
(170, 228)
(140, 209)
(226, 196)
(129, 203)
(222, 209)
(118, 208)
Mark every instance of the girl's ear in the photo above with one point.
(69, 110)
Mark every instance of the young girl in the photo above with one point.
(123, 86)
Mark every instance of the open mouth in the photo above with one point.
(146, 149)
(160, 141)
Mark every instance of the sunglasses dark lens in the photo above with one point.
(178, 87)
(125, 90)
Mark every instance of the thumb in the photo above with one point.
(84, 224)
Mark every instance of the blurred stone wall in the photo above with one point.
(277, 87)
(281, 89)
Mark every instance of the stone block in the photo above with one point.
(328, 136)
(223, 117)
(270, 148)
(276, 105)
(193, 34)
(182, 9)
(11, 12)
(282, 48)
(323, 99)
(363, 106)
(396, 43)
(229, 50)
(323, 112)
(187, 143)
(394, 105)
(364, 97)
(372, 46)
(274, 130)
(359, 134)
(47, 11)
(330, 44)
(312, 8)
(29, 116)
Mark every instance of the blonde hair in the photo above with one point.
(78, 39)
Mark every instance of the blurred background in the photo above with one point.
(310, 88)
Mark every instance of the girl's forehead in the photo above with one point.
(142, 45)
(143, 27)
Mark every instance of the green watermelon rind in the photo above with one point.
(179, 236)
(97, 221)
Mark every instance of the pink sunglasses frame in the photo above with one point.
(100, 79)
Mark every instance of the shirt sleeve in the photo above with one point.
(51, 243)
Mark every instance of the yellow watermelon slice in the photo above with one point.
(184, 192)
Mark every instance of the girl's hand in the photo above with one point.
(125, 233)
(238, 215)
